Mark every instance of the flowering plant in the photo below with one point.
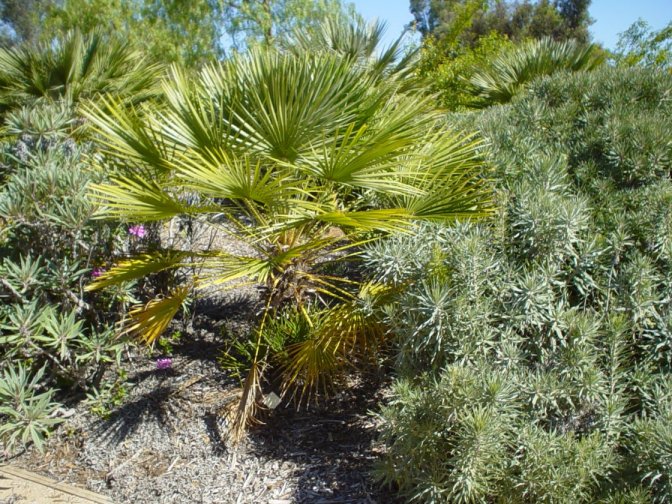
(138, 230)
(164, 363)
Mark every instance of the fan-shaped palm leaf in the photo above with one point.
(148, 322)
(509, 73)
(339, 336)
(358, 42)
(74, 68)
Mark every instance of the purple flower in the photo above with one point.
(97, 272)
(137, 230)
(164, 363)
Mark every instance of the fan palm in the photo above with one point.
(358, 41)
(73, 68)
(510, 72)
(305, 156)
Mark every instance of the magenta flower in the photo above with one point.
(137, 230)
(164, 363)
(97, 272)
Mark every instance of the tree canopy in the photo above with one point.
(468, 20)
(169, 30)
(640, 45)
(269, 21)
(20, 20)
(189, 33)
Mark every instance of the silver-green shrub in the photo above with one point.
(28, 415)
(53, 335)
(442, 318)
(563, 300)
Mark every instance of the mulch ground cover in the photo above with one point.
(164, 444)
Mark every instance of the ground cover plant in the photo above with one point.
(50, 248)
(533, 351)
(56, 340)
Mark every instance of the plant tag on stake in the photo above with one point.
(271, 400)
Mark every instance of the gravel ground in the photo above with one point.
(164, 445)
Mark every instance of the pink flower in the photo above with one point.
(137, 230)
(164, 363)
(97, 272)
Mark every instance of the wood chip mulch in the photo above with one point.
(164, 444)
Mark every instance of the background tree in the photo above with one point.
(463, 38)
(468, 20)
(640, 45)
(168, 30)
(266, 22)
(445, 68)
(446, 18)
(194, 32)
(20, 20)
(575, 13)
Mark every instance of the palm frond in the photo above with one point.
(359, 42)
(149, 321)
(74, 68)
(247, 405)
(197, 118)
(126, 133)
(222, 268)
(511, 71)
(367, 156)
(232, 178)
(139, 267)
(139, 199)
(340, 334)
(449, 178)
(277, 105)
(384, 219)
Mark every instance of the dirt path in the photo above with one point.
(21, 486)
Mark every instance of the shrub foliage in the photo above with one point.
(53, 336)
(534, 350)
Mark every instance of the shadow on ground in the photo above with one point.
(335, 443)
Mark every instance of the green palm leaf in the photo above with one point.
(139, 267)
(340, 333)
(138, 199)
(127, 135)
(231, 178)
(74, 68)
(510, 72)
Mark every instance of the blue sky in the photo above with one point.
(611, 16)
